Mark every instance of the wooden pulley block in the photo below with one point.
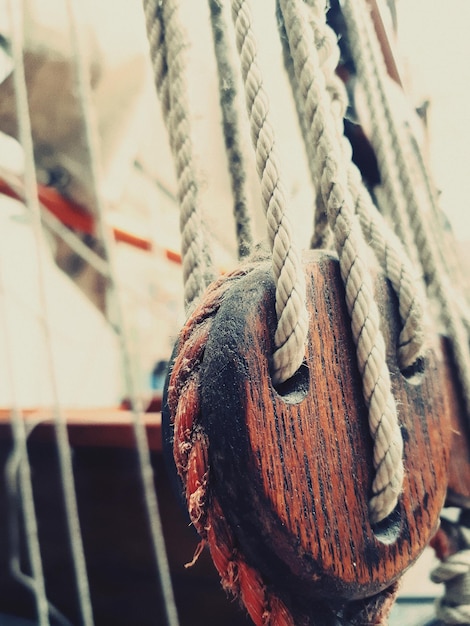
(278, 479)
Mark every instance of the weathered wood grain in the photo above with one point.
(458, 491)
(292, 467)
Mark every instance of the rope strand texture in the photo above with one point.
(167, 53)
(352, 252)
(398, 177)
(387, 247)
(231, 127)
(292, 327)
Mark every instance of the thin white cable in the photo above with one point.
(146, 471)
(55, 225)
(65, 458)
(18, 463)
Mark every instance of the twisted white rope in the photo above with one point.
(396, 171)
(19, 454)
(292, 326)
(231, 127)
(454, 572)
(352, 252)
(167, 53)
(397, 268)
(386, 245)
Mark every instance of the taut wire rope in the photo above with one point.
(231, 126)
(18, 471)
(64, 451)
(167, 53)
(386, 246)
(292, 327)
(106, 235)
(370, 65)
(352, 252)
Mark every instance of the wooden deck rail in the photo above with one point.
(111, 427)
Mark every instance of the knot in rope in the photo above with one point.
(454, 572)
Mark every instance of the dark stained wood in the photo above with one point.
(292, 467)
(458, 491)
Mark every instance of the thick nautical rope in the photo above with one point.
(387, 247)
(321, 235)
(292, 326)
(352, 252)
(231, 128)
(167, 50)
(395, 169)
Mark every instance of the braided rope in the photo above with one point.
(352, 253)
(454, 572)
(231, 127)
(190, 453)
(396, 171)
(396, 266)
(292, 327)
(167, 53)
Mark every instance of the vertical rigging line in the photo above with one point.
(321, 236)
(231, 127)
(167, 51)
(18, 463)
(367, 56)
(352, 252)
(292, 317)
(31, 201)
(387, 247)
(106, 235)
